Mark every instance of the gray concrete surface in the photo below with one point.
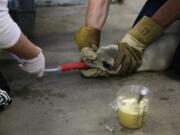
(68, 104)
(60, 2)
(83, 2)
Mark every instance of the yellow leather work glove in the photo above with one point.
(125, 58)
(88, 54)
(88, 36)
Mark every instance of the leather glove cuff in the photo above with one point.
(143, 34)
(88, 36)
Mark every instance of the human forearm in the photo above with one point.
(97, 13)
(24, 48)
(168, 13)
(32, 57)
(89, 34)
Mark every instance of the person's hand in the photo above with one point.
(124, 58)
(88, 37)
(90, 58)
(119, 59)
(110, 60)
(34, 66)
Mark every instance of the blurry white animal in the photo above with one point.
(157, 57)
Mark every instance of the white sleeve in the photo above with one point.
(3, 5)
(9, 31)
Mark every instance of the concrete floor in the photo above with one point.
(68, 104)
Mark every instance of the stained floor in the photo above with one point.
(67, 103)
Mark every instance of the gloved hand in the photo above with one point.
(124, 58)
(90, 58)
(88, 37)
(34, 66)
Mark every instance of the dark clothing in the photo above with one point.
(3, 84)
(150, 8)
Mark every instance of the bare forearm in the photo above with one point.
(24, 48)
(97, 13)
(168, 13)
